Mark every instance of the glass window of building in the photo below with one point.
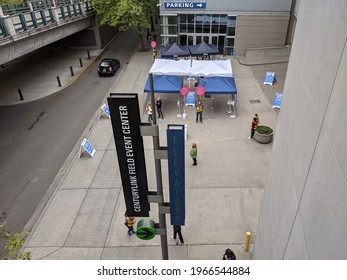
(169, 26)
(168, 40)
(231, 26)
(198, 23)
(223, 24)
(215, 24)
(230, 38)
(211, 28)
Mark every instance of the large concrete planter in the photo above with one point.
(263, 138)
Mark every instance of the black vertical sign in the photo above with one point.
(125, 118)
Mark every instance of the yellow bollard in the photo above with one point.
(248, 239)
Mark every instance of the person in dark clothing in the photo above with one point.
(229, 255)
(177, 230)
(159, 104)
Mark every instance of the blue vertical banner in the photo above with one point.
(175, 149)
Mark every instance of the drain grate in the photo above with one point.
(254, 101)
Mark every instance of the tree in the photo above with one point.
(2, 2)
(14, 245)
(125, 14)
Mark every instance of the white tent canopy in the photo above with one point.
(205, 68)
(170, 67)
(211, 68)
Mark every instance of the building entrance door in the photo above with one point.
(200, 38)
(190, 41)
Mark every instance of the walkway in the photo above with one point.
(84, 217)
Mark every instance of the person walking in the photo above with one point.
(129, 223)
(253, 127)
(257, 119)
(229, 255)
(159, 104)
(177, 230)
(149, 111)
(199, 109)
(194, 153)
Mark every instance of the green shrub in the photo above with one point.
(14, 244)
(262, 129)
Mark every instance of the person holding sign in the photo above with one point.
(154, 53)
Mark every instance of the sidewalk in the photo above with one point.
(39, 71)
(84, 217)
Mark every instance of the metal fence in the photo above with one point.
(24, 17)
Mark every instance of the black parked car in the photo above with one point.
(108, 67)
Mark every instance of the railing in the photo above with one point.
(10, 9)
(25, 21)
(25, 16)
(3, 31)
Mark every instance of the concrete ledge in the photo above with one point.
(268, 52)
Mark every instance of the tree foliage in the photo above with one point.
(2, 2)
(14, 244)
(125, 14)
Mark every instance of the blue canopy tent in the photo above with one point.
(222, 85)
(203, 49)
(174, 51)
(218, 85)
(165, 84)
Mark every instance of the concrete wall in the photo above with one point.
(304, 209)
(91, 38)
(260, 31)
(268, 52)
(29, 41)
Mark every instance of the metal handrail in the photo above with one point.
(41, 13)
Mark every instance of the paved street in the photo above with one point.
(84, 217)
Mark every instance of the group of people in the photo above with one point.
(149, 110)
(159, 105)
(129, 222)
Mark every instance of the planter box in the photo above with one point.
(263, 138)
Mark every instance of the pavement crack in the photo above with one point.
(36, 121)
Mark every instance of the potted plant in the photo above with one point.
(263, 134)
